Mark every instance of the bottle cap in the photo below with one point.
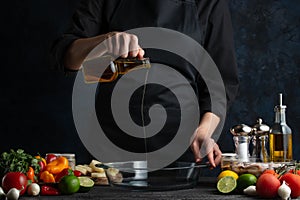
(280, 106)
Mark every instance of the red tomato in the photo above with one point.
(267, 185)
(293, 181)
(16, 180)
(271, 171)
(293, 172)
(50, 157)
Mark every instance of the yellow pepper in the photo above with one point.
(47, 177)
(57, 165)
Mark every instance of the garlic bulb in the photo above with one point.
(33, 189)
(284, 191)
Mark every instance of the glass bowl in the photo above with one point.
(136, 176)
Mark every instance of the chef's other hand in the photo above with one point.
(123, 45)
(202, 144)
(210, 149)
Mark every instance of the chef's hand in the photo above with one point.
(113, 43)
(202, 144)
(124, 45)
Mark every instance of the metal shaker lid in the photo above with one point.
(241, 129)
(260, 128)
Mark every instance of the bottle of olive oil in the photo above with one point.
(280, 139)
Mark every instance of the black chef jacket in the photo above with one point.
(206, 21)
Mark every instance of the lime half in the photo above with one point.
(86, 183)
(226, 184)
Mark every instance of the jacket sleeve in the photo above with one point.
(219, 44)
(86, 22)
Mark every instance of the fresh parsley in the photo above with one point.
(18, 161)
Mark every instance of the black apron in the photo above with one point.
(179, 15)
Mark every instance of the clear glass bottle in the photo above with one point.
(280, 140)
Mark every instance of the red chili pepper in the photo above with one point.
(64, 172)
(77, 173)
(42, 163)
(49, 190)
(50, 157)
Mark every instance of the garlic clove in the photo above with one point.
(1, 192)
(250, 190)
(13, 194)
(284, 191)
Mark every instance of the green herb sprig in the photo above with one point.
(18, 161)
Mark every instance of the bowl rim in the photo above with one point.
(182, 165)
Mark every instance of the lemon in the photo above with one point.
(228, 173)
(85, 183)
(245, 180)
(226, 184)
(69, 184)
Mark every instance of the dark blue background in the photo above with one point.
(35, 103)
(267, 40)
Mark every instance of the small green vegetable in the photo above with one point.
(18, 161)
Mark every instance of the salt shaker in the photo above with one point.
(241, 137)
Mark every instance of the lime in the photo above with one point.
(226, 184)
(69, 184)
(85, 183)
(228, 173)
(245, 180)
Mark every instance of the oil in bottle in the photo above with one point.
(280, 138)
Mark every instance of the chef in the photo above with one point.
(106, 22)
